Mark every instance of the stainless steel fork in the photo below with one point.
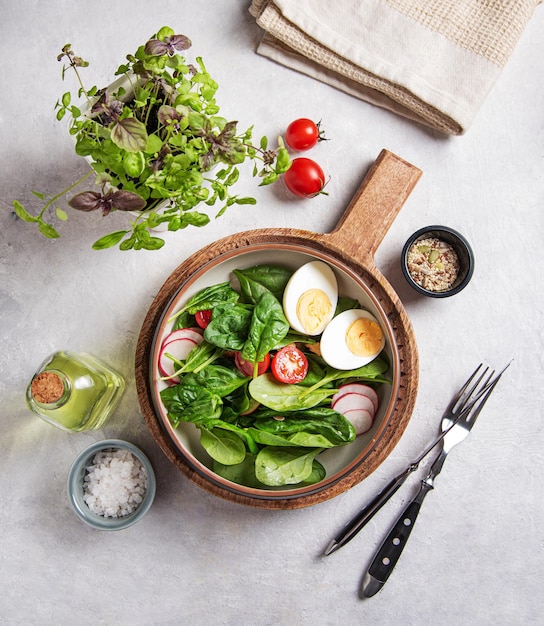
(466, 405)
(461, 403)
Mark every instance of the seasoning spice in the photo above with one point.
(115, 483)
(433, 264)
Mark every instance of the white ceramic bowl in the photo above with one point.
(339, 462)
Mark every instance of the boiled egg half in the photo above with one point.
(310, 297)
(352, 339)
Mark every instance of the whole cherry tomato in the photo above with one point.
(304, 178)
(289, 365)
(248, 368)
(303, 134)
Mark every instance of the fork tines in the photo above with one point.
(461, 402)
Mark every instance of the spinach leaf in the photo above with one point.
(319, 421)
(206, 299)
(238, 402)
(243, 473)
(268, 326)
(264, 438)
(283, 397)
(210, 297)
(184, 320)
(230, 415)
(298, 439)
(190, 403)
(218, 379)
(346, 304)
(229, 326)
(200, 357)
(295, 337)
(242, 433)
(311, 440)
(223, 446)
(277, 467)
(317, 475)
(371, 372)
(316, 371)
(255, 281)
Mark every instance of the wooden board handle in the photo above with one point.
(374, 207)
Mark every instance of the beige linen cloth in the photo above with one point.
(433, 61)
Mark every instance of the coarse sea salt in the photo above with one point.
(115, 483)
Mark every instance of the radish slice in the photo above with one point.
(358, 403)
(195, 334)
(350, 401)
(178, 344)
(179, 349)
(361, 388)
(361, 420)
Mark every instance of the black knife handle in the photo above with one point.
(389, 553)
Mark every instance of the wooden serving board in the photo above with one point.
(353, 243)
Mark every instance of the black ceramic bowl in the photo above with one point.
(461, 247)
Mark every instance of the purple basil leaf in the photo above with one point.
(180, 42)
(129, 134)
(229, 131)
(167, 115)
(155, 47)
(207, 160)
(86, 201)
(127, 201)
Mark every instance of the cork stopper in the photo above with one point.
(47, 388)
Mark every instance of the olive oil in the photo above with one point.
(75, 392)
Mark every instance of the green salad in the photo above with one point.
(258, 391)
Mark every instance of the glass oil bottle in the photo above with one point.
(75, 392)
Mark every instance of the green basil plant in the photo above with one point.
(157, 146)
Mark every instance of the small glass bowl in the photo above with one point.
(75, 487)
(461, 247)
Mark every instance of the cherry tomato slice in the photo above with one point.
(289, 365)
(303, 134)
(203, 317)
(304, 178)
(248, 368)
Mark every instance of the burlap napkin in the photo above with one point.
(433, 61)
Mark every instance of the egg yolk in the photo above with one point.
(364, 337)
(314, 310)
